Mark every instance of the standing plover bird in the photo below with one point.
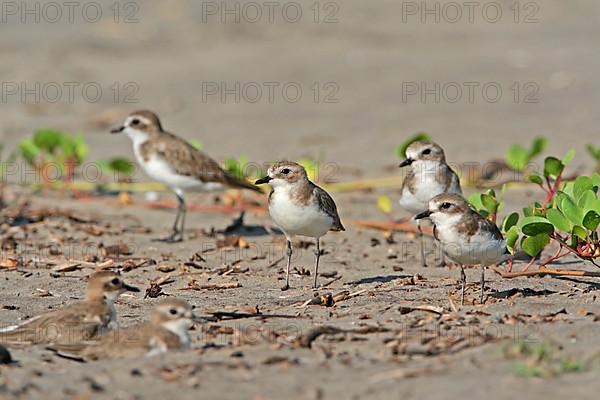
(428, 177)
(75, 322)
(466, 237)
(299, 207)
(175, 163)
(167, 330)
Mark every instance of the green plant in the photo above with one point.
(595, 153)
(48, 146)
(121, 167)
(568, 216)
(236, 166)
(518, 157)
(420, 136)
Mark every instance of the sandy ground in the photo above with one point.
(171, 56)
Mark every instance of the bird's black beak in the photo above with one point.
(117, 130)
(406, 162)
(261, 181)
(423, 214)
(130, 288)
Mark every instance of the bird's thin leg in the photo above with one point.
(442, 255)
(482, 284)
(289, 261)
(463, 282)
(423, 260)
(317, 257)
(182, 210)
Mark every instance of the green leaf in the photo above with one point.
(512, 235)
(568, 157)
(385, 204)
(535, 178)
(570, 209)
(582, 184)
(29, 150)
(534, 225)
(596, 179)
(517, 157)
(553, 167)
(593, 151)
(510, 221)
(81, 148)
(558, 219)
(579, 232)
(489, 202)
(47, 140)
(589, 201)
(475, 200)
(539, 145)
(591, 220)
(533, 245)
(420, 136)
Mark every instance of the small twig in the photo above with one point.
(542, 272)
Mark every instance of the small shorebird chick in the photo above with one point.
(167, 330)
(299, 207)
(75, 322)
(175, 163)
(429, 176)
(466, 237)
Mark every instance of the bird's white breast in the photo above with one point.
(160, 170)
(481, 248)
(426, 186)
(295, 219)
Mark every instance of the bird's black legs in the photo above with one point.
(463, 282)
(423, 260)
(289, 261)
(482, 284)
(177, 232)
(317, 257)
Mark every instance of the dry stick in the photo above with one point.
(545, 271)
(404, 226)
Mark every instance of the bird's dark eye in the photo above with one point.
(426, 151)
(446, 205)
(173, 311)
(135, 122)
(285, 171)
(115, 281)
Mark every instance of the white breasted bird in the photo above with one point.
(174, 162)
(75, 322)
(299, 207)
(429, 176)
(466, 237)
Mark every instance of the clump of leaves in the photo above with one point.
(236, 166)
(569, 215)
(48, 146)
(518, 157)
(122, 168)
(420, 136)
(541, 360)
(595, 153)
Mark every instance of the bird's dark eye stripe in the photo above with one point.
(446, 205)
(427, 151)
(285, 171)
